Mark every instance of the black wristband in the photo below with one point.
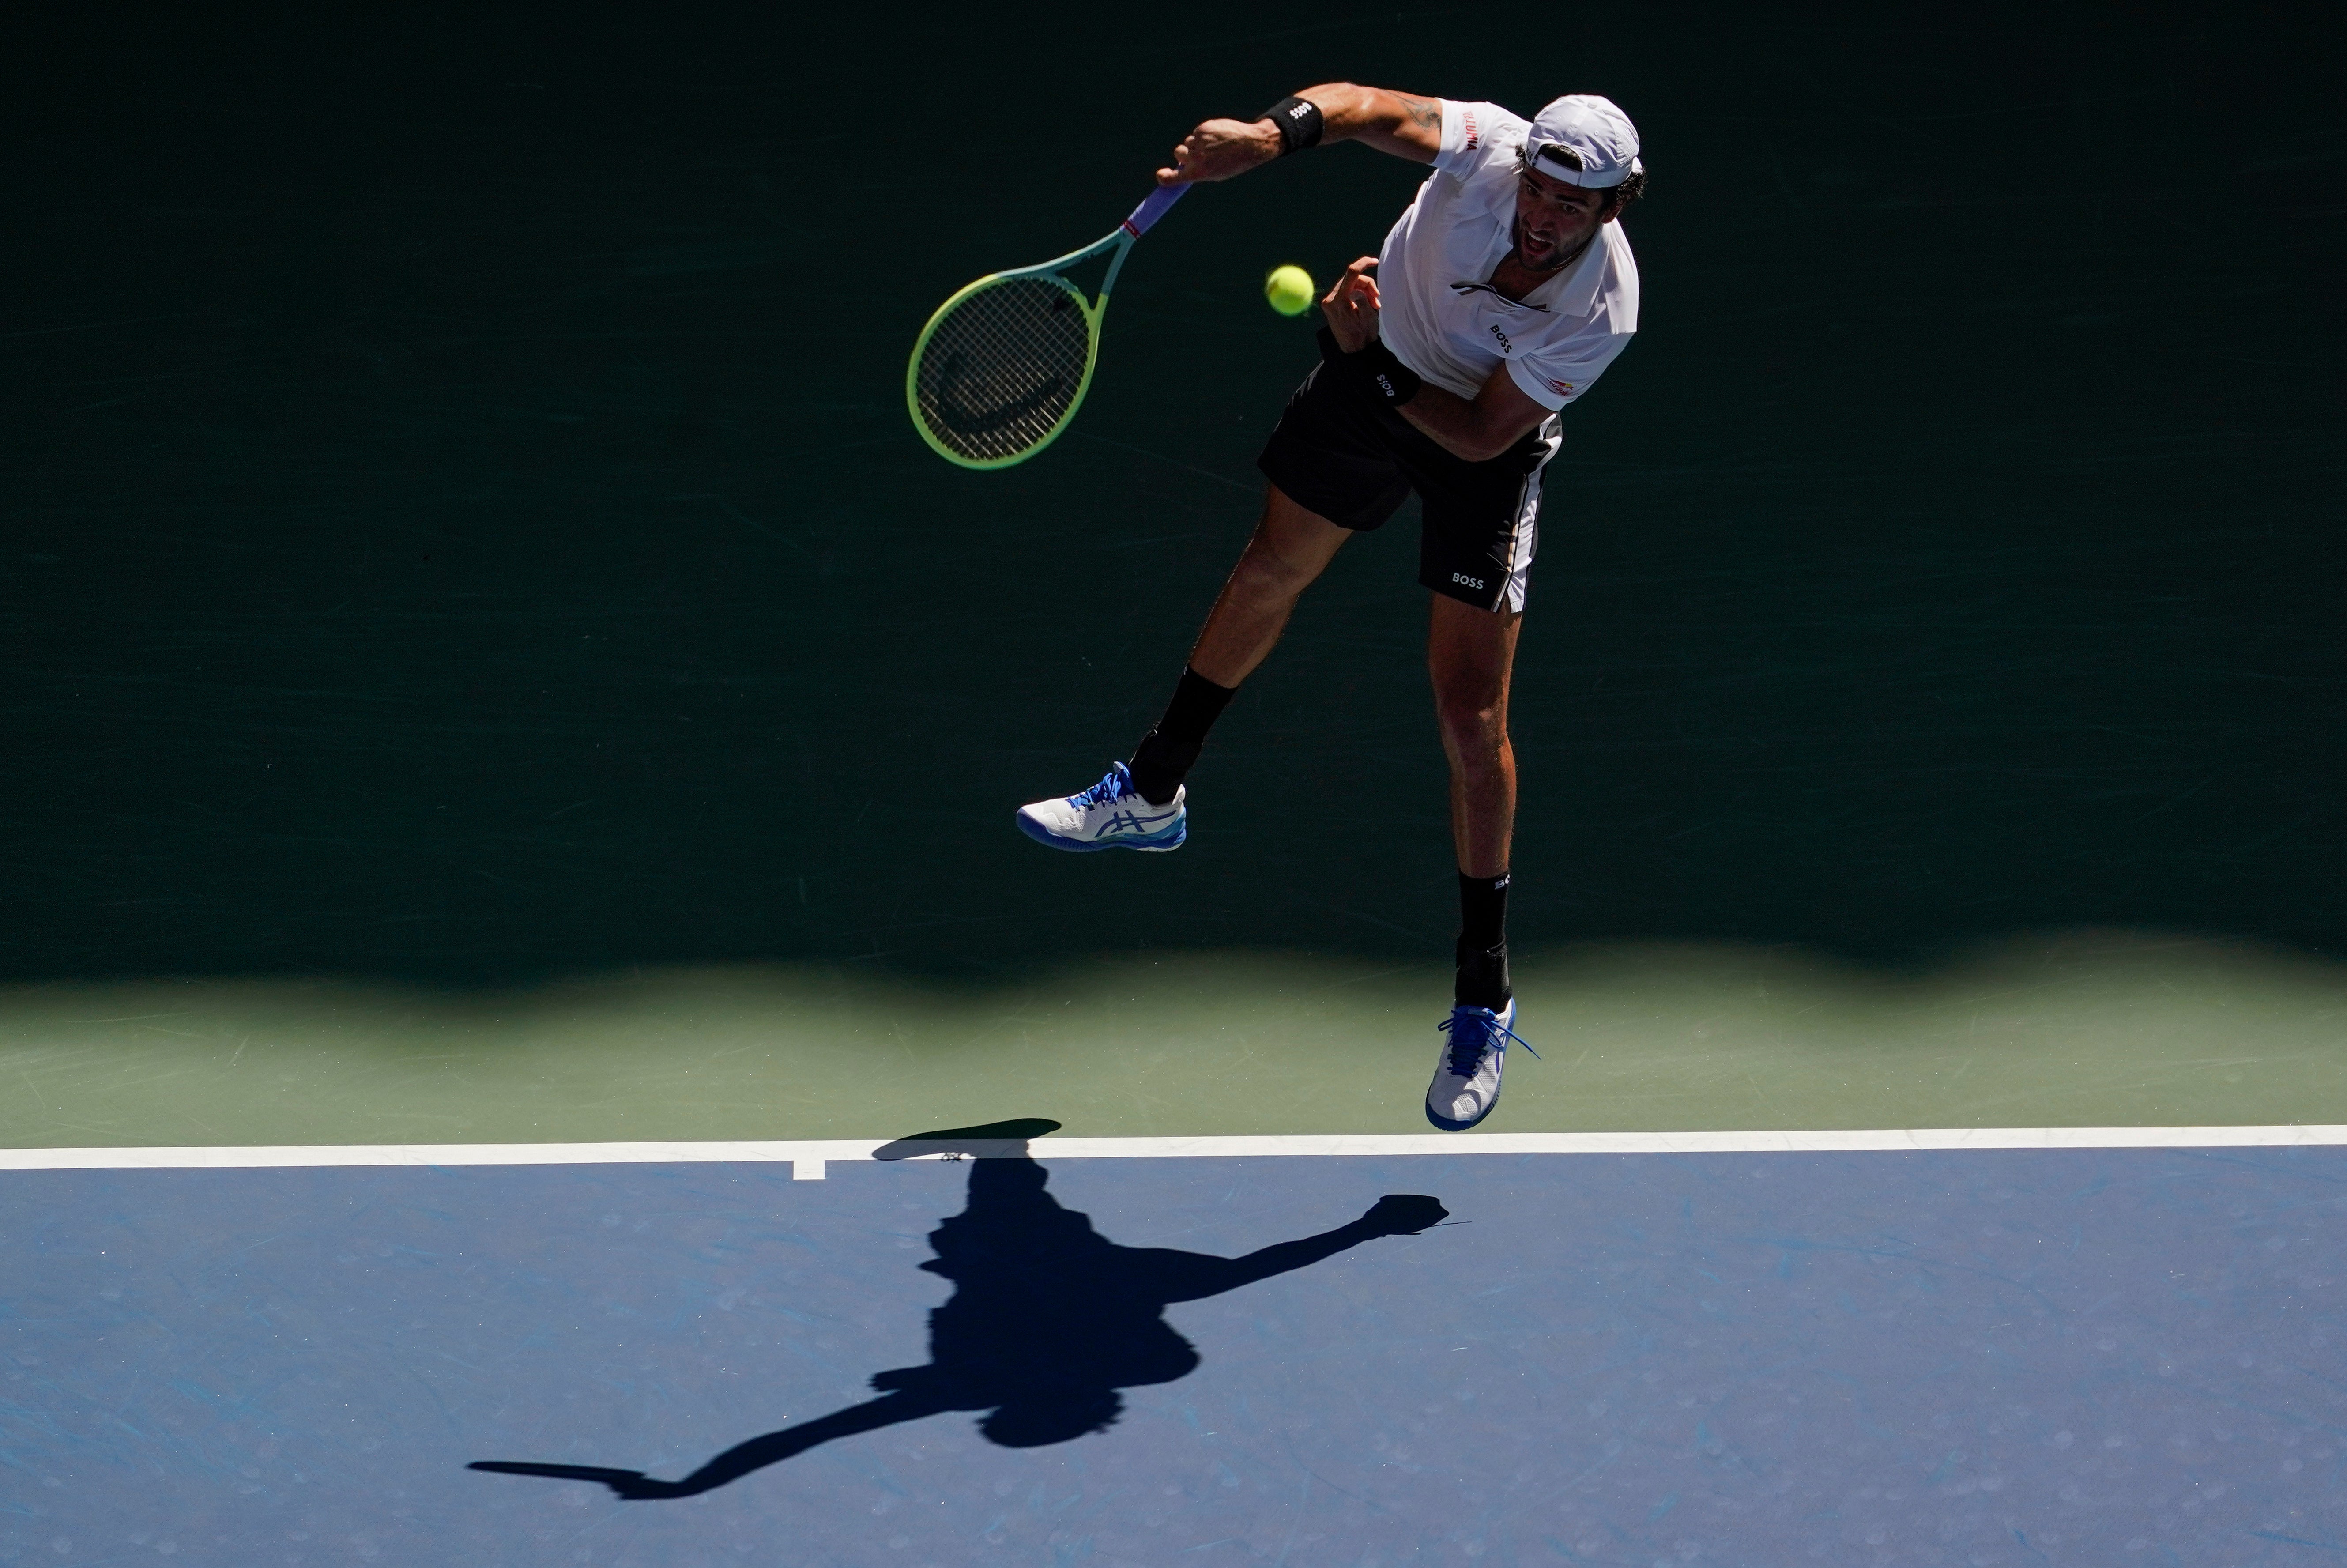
(1374, 367)
(1298, 122)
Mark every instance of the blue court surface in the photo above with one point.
(2075, 1355)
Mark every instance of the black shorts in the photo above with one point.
(1341, 453)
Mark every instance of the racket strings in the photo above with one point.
(1003, 367)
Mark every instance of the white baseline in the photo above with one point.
(807, 1157)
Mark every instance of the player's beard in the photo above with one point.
(1564, 258)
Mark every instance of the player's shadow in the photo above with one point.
(1049, 1318)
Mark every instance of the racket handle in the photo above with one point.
(1152, 208)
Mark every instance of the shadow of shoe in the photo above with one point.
(991, 1141)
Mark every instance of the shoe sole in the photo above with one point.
(1050, 840)
(1446, 1124)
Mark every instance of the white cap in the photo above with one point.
(1583, 140)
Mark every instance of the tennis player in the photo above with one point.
(1503, 293)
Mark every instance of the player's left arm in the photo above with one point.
(1477, 429)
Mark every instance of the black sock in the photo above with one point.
(1483, 942)
(1169, 751)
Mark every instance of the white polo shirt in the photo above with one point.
(1439, 312)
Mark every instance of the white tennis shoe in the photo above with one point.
(1112, 814)
(1467, 1073)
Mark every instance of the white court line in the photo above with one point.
(807, 1157)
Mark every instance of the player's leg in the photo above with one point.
(1482, 524)
(1141, 806)
(1289, 548)
(1471, 654)
(1332, 473)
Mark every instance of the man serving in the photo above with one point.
(1503, 290)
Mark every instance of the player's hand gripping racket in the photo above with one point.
(1001, 368)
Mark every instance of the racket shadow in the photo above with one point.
(1048, 1321)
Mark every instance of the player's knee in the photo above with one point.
(1272, 575)
(1474, 724)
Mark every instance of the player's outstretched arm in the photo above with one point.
(1170, 1276)
(1404, 124)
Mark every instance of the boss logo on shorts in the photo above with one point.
(1474, 582)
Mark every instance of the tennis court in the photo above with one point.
(1992, 1354)
(518, 953)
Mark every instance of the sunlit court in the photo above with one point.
(1716, 936)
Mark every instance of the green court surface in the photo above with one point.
(2079, 1031)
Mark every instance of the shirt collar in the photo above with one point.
(1571, 292)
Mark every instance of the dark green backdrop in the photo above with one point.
(462, 522)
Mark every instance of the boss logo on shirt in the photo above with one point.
(1505, 346)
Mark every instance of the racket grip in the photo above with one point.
(1152, 208)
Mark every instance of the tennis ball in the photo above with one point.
(1289, 290)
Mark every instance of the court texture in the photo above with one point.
(527, 1036)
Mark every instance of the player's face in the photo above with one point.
(1553, 219)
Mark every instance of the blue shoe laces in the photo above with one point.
(1467, 1044)
(1114, 787)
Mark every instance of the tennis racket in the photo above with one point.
(1001, 368)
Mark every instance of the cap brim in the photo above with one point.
(1587, 178)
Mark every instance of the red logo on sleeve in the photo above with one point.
(1474, 133)
(1564, 386)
